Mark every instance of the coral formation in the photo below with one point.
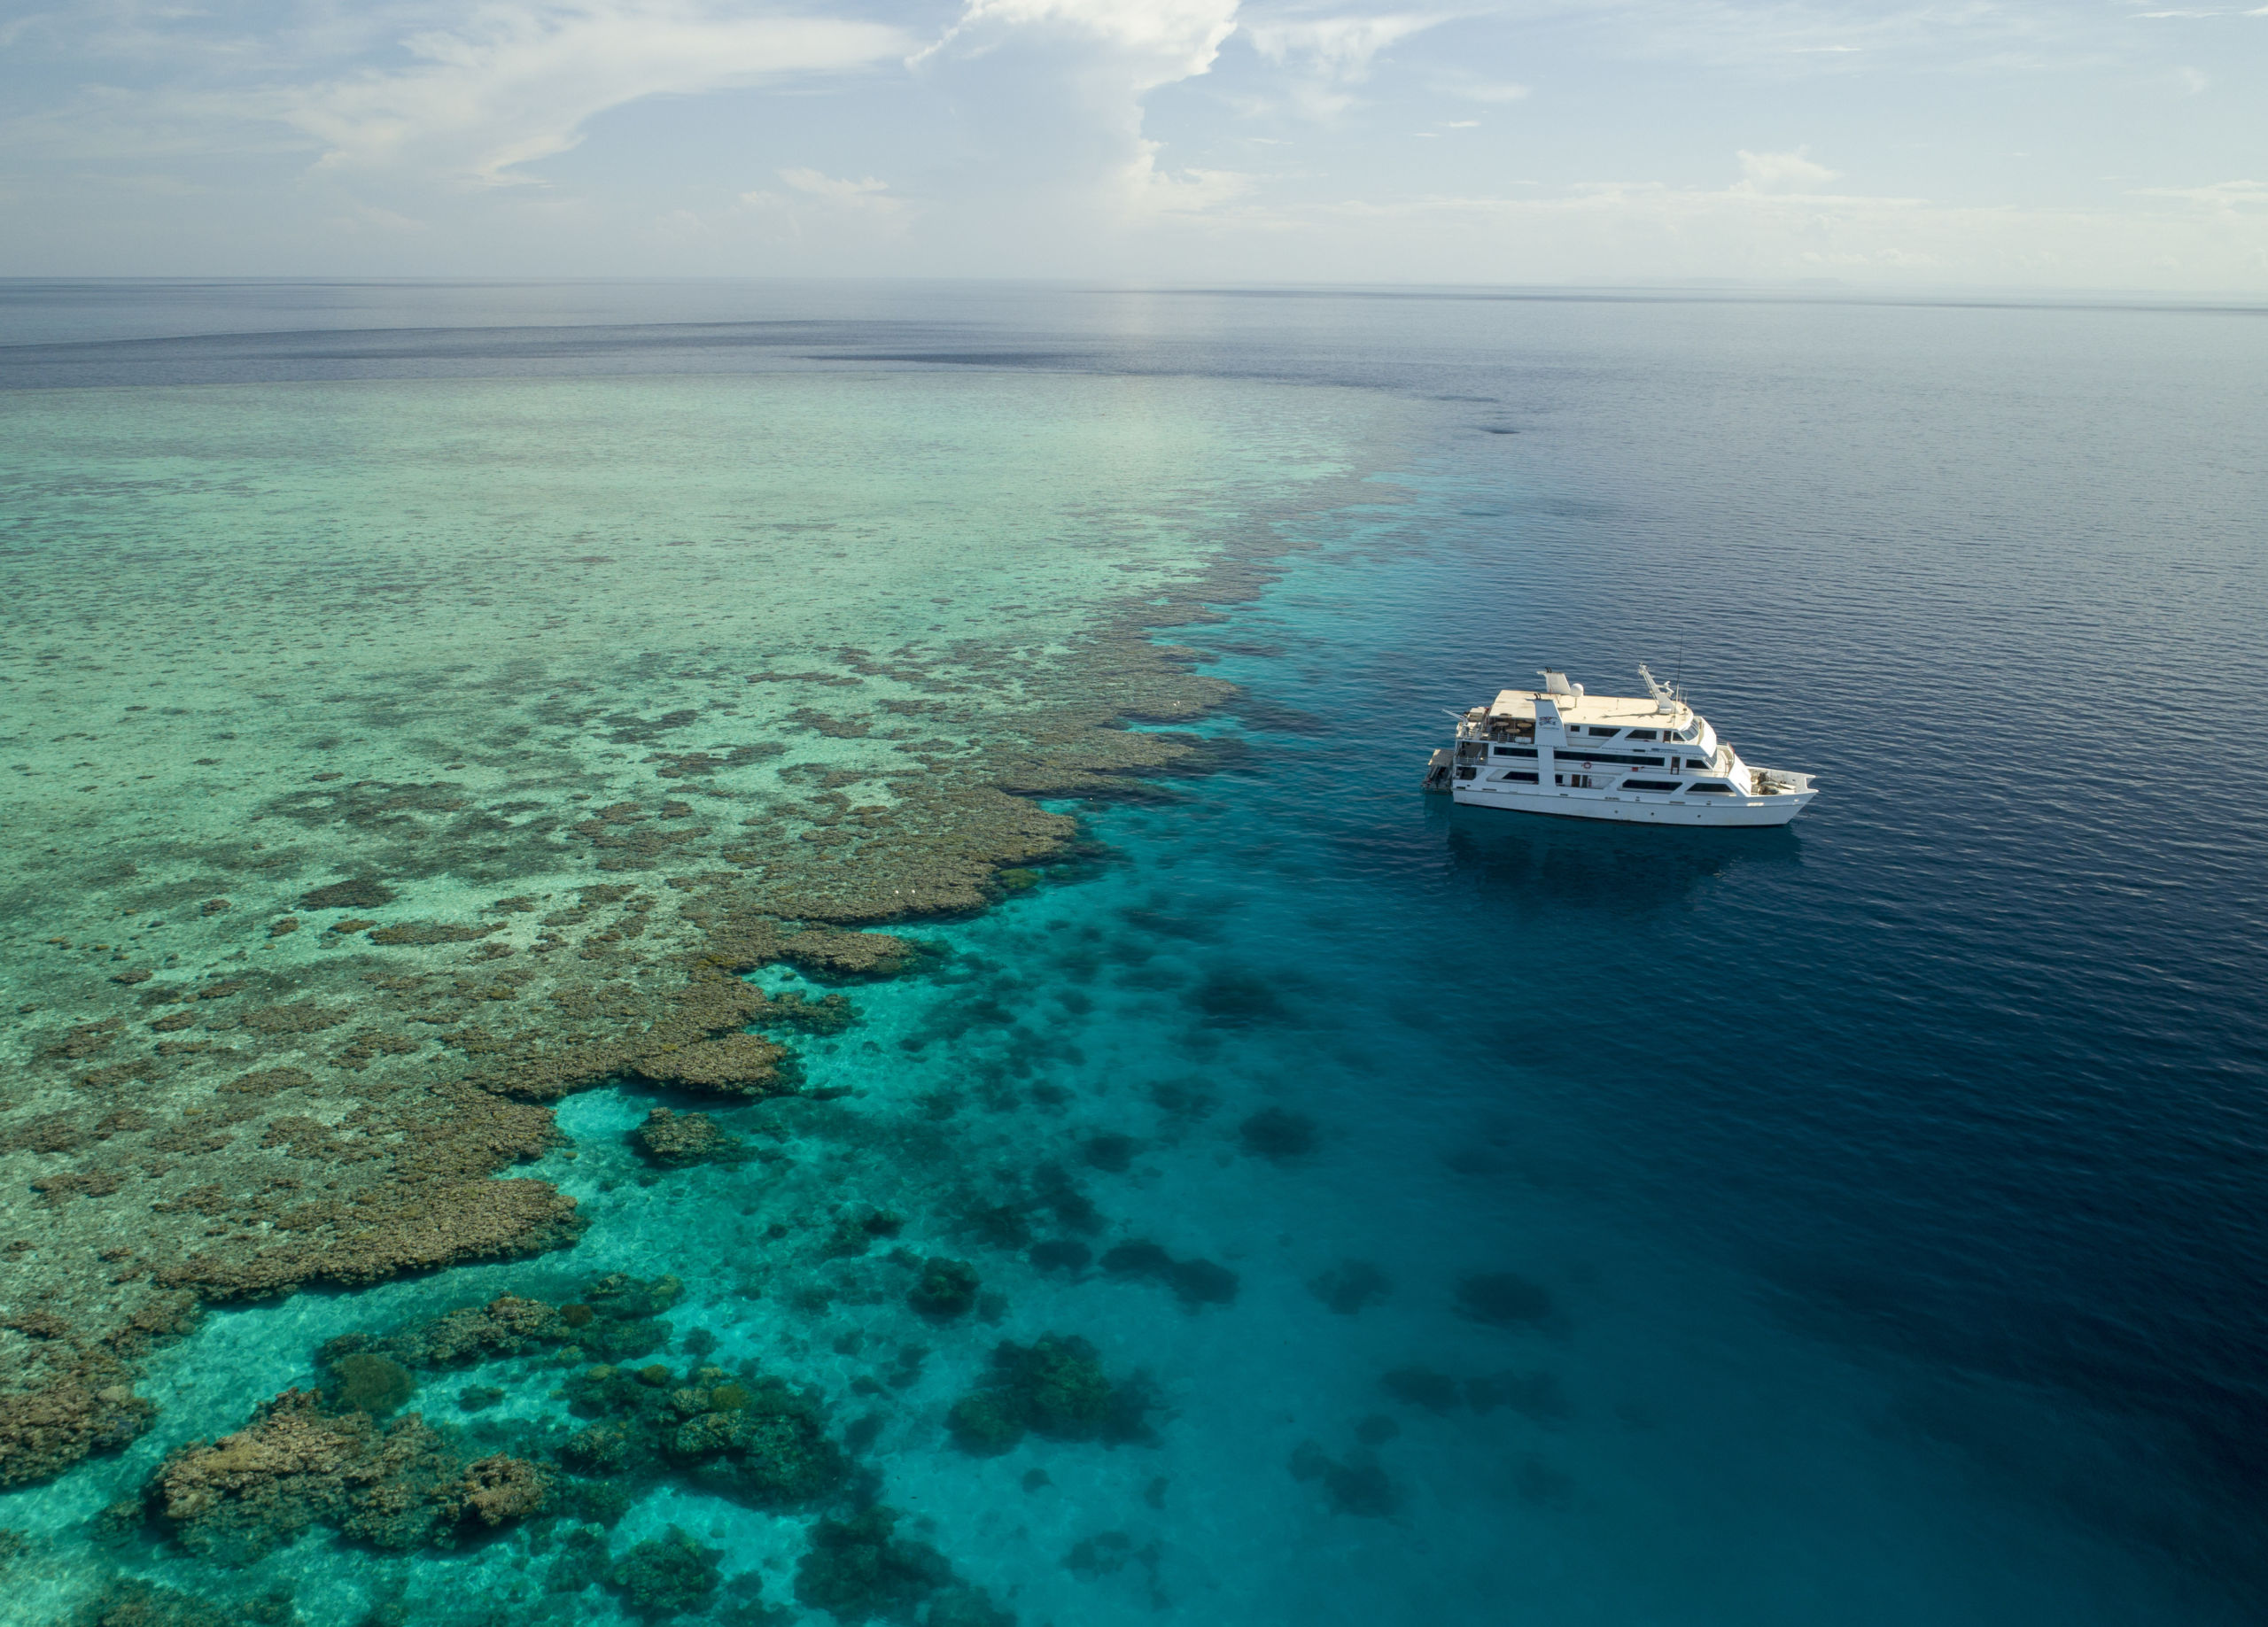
(131, 1602)
(739, 1065)
(1502, 1299)
(83, 1408)
(1278, 1135)
(859, 1569)
(1195, 1283)
(362, 894)
(299, 1465)
(1054, 1387)
(675, 1140)
(666, 1576)
(945, 1289)
(370, 1384)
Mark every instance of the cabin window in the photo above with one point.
(1649, 785)
(1713, 786)
(1516, 751)
(1528, 778)
(1642, 734)
(1584, 754)
(1598, 733)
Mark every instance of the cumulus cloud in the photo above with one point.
(515, 80)
(1054, 94)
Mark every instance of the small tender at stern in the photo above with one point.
(1656, 761)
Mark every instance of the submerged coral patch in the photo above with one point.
(1277, 1135)
(1504, 1299)
(374, 1384)
(676, 1140)
(1195, 1283)
(298, 1465)
(357, 894)
(1054, 1387)
(859, 1569)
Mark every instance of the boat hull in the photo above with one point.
(1634, 806)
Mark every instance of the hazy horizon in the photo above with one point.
(2026, 146)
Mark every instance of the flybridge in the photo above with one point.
(1652, 760)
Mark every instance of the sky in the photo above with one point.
(2041, 144)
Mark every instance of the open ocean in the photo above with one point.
(1485, 1220)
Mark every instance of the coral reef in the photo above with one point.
(859, 1569)
(1278, 1135)
(1502, 1299)
(756, 1439)
(667, 1576)
(362, 894)
(676, 1140)
(256, 1110)
(945, 1289)
(370, 1384)
(46, 1429)
(739, 1065)
(299, 1465)
(1054, 1387)
(131, 1602)
(1195, 1283)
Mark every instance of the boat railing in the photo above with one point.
(1778, 781)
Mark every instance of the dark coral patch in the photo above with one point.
(1503, 1299)
(352, 895)
(859, 1569)
(1278, 1135)
(947, 1289)
(1055, 1387)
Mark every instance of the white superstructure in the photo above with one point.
(1656, 761)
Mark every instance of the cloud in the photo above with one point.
(866, 196)
(1336, 48)
(1153, 191)
(1159, 42)
(2227, 197)
(1486, 90)
(1327, 54)
(515, 80)
(1781, 172)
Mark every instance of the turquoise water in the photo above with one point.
(1856, 1222)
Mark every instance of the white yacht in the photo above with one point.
(1656, 761)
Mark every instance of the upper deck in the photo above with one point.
(1592, 711)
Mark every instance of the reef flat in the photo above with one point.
(387, 761)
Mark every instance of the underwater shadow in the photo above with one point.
(1535, 861)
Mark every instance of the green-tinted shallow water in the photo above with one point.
(561, 672)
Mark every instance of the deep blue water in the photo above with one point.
(1896, 1178)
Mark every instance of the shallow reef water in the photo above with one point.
(761, 982)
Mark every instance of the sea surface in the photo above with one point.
(1860, 1222)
